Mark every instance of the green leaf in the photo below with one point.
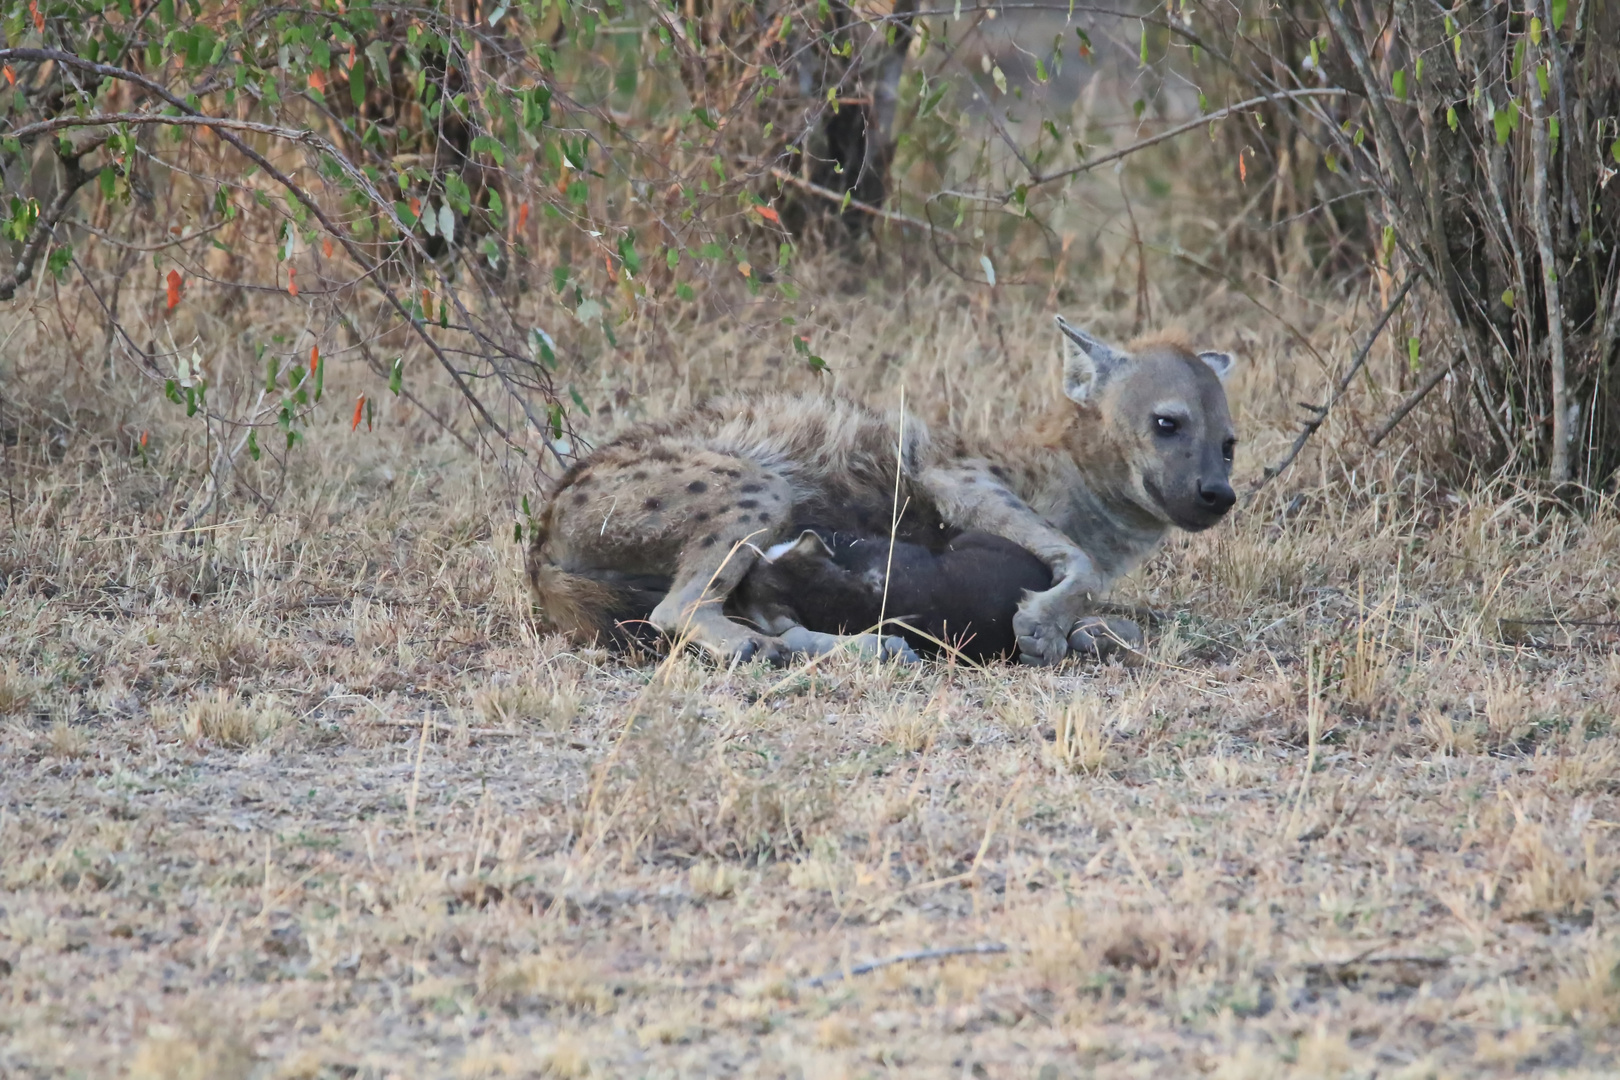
(1331, 162)
(710, 250)
(1552, 127)
(1559, 8)
(672, 258)
(1541, 81)
(253, 444)
(109, 181)
(272, 371)
(1504, 126)
(1535, 31)
(1143, 55)
(396, 376)
(998, 77)
(1614, 151)
(627, 253)
(1413, 345)
(1397, 83)
(171, 390)
(1451, 117)
(1507, 297)
(684, 291)
(1389, 242)
(357, 83)
(484, 144)
(57, 264)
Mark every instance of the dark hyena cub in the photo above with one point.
(962, 596)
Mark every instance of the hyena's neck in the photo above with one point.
(1086, 506)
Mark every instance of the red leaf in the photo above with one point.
(523, 210)
(11, 76)
(359, 404)
(174, 288)
(314, 359)
(317, 80)
(39, 20)
(143, 440)
(326, 247)
(427, 304)
(292, 281)
(769, 213)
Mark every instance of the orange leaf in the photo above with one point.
(745, 269)
(523, 216)
(11, 76)
(314, 360)
(292, 281)
(174, 288)
(1243, 168)
(39, 20)
(416, 206)
(326, 247)
(359, 404)
(351, 56)
(427, 304)
(143, 440)
(768, 213)
(317, 80)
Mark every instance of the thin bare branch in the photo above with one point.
(1309, 427)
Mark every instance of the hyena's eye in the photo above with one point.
(1228, 448)
(1166, 425)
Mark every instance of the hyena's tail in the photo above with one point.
(592, 605)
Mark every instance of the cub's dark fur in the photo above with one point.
(965, 593)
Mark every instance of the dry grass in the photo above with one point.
(304, 795)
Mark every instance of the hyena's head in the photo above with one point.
(1156, 423)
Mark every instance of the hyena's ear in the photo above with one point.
(1221, 363)
(1087, 362)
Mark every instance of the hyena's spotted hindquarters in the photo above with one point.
(658, 537)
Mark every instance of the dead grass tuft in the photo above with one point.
(220, 718)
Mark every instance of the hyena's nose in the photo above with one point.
(1218, 497)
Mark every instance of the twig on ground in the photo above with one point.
(983, 948)
(1321, 411)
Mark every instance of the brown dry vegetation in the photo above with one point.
(304, 795)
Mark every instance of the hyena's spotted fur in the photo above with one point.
(657, 527)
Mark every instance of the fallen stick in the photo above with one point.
(983, 948)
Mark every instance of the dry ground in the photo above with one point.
(304, 795)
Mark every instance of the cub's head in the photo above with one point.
(1157, 424)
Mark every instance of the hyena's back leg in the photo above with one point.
(736, 508)
(682, 512)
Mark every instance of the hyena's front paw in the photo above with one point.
(1043, 640)
(1099, 638)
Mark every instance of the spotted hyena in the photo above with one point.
(653, 531)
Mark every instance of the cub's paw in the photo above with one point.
(896, 649)
(1098, 638)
